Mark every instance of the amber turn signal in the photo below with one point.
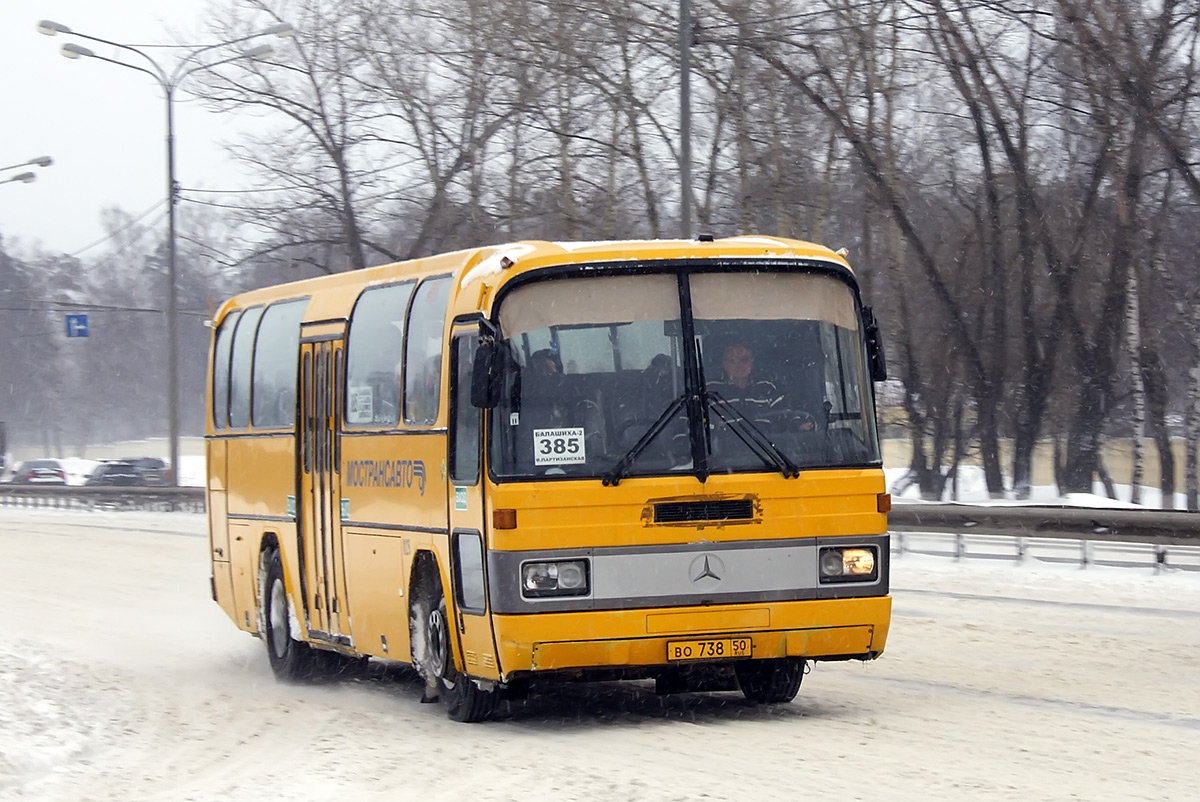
(504, 519)
(883, 502)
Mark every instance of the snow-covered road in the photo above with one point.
(121, 680)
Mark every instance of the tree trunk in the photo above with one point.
(1192, 434)
(1081, 456)
(1154, 375)
(1133, 346)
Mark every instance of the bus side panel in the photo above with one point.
(218, 528)
(394, 480)
(393, 505)
(261, 476)
(222, 577)
(216, 502)
(244, 575)
(377, 569)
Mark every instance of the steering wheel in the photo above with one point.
(792, 420)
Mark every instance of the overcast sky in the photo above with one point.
(104, 126)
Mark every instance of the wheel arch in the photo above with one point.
(268, 543)
(427, 569)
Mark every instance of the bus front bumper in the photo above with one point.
(841, 629)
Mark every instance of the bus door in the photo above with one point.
(322, 561)
(468, 517)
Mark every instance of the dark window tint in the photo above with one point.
(239, 372)
(373, 356)
(220, 378)
(275, 353)
(464, 432)
(472, 595)
(423, 354)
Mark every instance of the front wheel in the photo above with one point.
(463, 699)
(770, 681)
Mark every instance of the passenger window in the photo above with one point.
(275, 352)
(374, 352)
(464, 430)
(239, 370)
(423, 351)
(220, 377)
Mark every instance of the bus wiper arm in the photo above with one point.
(754, 438)
(613, 477)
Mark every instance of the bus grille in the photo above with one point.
(683, 511)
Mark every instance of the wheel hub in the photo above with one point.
(439, 644)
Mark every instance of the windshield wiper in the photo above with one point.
(751, 435)
(613, 477)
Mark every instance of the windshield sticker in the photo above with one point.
(558, 447)
(359, 404)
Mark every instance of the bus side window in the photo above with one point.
(274, 380)
(222, 354)
(422, 352)
(239, 371)
(464, 430)
(374, 354)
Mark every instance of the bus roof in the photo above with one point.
(333, 296)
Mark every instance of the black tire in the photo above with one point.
(771, 681)
(291, 660)
(463, 700)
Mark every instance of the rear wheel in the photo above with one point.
(463, 699)
(291, 660)
(770, 681)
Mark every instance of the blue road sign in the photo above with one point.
(77, 326)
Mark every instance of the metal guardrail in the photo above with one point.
(1164, 527)
(1068, 551)
(69, 497)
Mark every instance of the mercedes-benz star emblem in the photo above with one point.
(707, 571)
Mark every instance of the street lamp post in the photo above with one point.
(685, 120)
(40, 161)
(168, 82)
(24, 178)
(28, 176)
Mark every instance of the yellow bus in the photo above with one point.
(651, 460)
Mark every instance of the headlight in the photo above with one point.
(560, 578)
(854, 564)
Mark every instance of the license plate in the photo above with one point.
(720, 649)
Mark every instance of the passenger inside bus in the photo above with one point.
(544, 396)
(421, 402)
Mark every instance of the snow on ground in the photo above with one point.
(121, 680)
(972, 489)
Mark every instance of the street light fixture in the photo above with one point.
(50, 28)
(169, 82)
(24, 178)
(40, 161)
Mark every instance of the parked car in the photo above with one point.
(114, 473)
(154, 471)
(40, 472)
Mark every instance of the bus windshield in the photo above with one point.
(594, 381)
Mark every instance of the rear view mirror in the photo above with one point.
(875, 356)
(485, 386)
